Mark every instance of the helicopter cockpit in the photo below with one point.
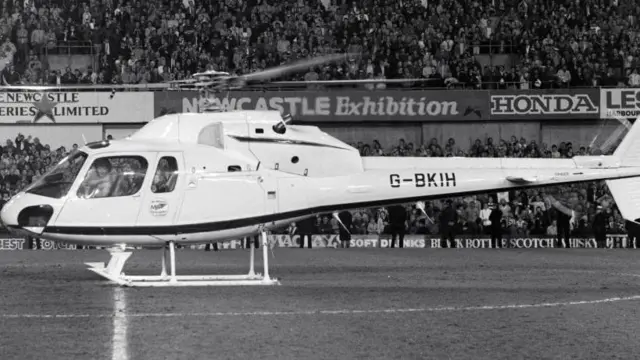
(107, 177)
(57, 182)
(113, 177)
(101, 189)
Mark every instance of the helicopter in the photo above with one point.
(196, 178)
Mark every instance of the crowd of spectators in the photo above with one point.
(553, 43)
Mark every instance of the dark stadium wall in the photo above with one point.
(387, 135)
(580, 133)
(465, 133)
(54, 135)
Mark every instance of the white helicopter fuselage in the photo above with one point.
(237, 174)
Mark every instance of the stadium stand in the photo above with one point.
(532, 43)
(544, 43)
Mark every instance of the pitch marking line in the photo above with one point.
(328, 312)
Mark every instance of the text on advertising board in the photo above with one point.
(531, 104)
(353, 105)
(424, 179)
(75, 107)
(620, 103)
(338, 106)
(12, 244)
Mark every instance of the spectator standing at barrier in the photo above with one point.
(397, 228)
(211, 245)
(564, 229)
(256, 241)
(600, 227)
(495, 229)
(485, 213)
(293, 230)
(448, 220)
(472, 216)
(633, 230)
(346, 228)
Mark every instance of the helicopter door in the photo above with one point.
(162, 196)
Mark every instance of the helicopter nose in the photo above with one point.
(8, 215)
(20, 213)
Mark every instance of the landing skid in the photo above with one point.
(113, 271)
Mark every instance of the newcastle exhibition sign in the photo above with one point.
(341, 105)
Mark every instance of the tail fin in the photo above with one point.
(626, 192)
(629, 150)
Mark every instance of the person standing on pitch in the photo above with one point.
(345, 229)
(448, 220)
(495, 228)
(307, 228)
(397, 220)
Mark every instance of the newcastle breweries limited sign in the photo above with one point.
(545, 104)
(75, 107)
(342, 105)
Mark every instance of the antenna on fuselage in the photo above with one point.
(281, 127)
(84, 139)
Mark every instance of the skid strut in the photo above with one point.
(113, 271)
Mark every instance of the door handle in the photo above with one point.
(137, 195)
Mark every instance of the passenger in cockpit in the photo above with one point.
(126, 183)
(164, 179)
(99, 180)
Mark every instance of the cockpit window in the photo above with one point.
(166, 175)
(57, 182)
(113, 177)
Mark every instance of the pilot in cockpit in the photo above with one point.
(99, 180)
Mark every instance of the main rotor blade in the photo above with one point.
(295, 67)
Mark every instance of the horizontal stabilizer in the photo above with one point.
(626, 193)
(521, 180)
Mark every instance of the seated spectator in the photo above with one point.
(412, 39)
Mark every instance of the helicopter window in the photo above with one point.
(114, 176)
(232, 168)
(212, 135)
(166, 175)
(57, 182)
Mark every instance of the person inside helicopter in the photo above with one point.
(129, 180)
(166, 176)
(99, 180)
